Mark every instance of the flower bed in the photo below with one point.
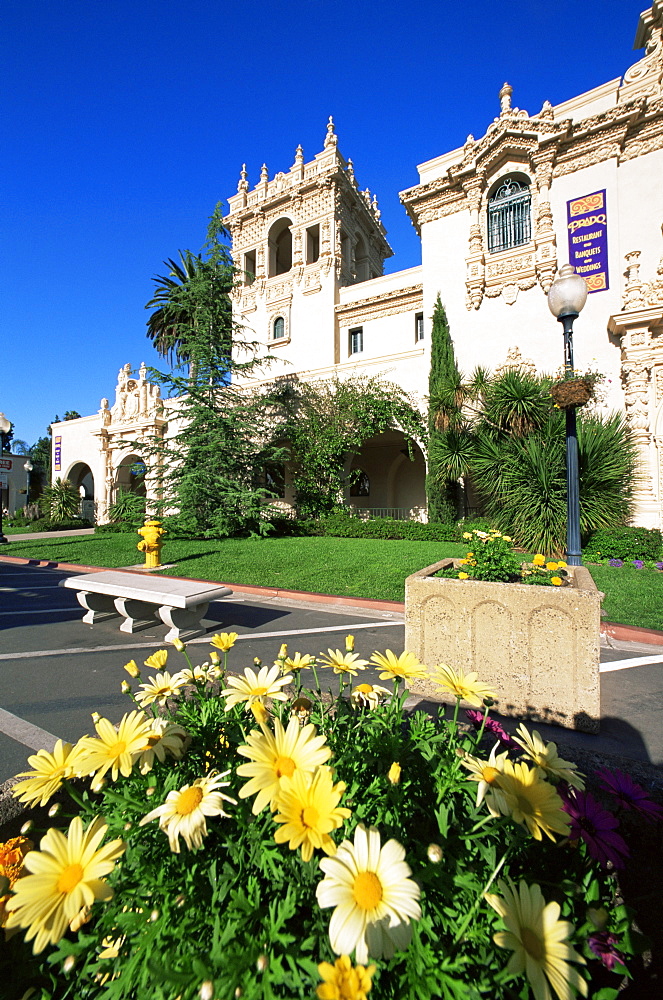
(236, 836)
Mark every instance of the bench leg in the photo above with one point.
(184, 622)
(98, 607)
(137, 615)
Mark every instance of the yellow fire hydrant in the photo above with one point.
(151, 545)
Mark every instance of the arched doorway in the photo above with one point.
(81, 478)
(130, 476)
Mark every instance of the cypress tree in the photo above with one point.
(444, 396)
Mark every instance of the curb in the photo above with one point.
(266, 592)
(625, 633)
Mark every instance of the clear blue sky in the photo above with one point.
(125, 122)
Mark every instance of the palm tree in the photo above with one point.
(167, 325)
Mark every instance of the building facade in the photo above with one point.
(497, 217)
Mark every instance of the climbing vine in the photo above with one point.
(326, 422)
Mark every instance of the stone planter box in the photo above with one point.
(536, 647)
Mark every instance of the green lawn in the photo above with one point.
(354, 567)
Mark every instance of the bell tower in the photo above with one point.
(296, 239)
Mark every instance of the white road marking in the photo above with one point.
(635, 661)
(29, 586)
(25, 733)
(203, 640)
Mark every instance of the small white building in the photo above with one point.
(579, 183)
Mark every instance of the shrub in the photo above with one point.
(625, 543)
(60, 501)
(128, 509)
(348, 526)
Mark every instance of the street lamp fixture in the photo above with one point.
(28, 469)
(5, 426)
(566, 298)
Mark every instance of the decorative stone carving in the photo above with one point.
(134, 399)
(515, 361)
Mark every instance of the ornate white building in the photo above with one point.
(579, 182)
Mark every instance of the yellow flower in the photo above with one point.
(507, 538)
(344, 981)
(224, 640)
(277, 755)
(49, 771)
(283, 651)
(164, 738)
(465, 686)
(343, 663)
(308, 807)
(259, 712)
(405, 667)
(368, 695)
(529, 800)
(178, 644)
(349, 644)
(463, 576)
(298, 662)
(159, 689)
(12, 855)
(467, 534)
(111, 946)
(374, 898)
(255, 687)
(556, 581)
(561, 564)
(538, 940)
(132, 668)
(116, 750)
(551, 566)
(193, 675)
(157, 660)
(66, 875)
(544, 755)
(184, 811)
(484, 771)
(394, 773)
(539, 560)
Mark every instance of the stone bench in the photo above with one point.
(145, 601)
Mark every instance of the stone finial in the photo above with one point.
(264, 174)
(546, 110)
(505, 98)
(299, 156)
(351, 173)
(331, 139)
(243, 184)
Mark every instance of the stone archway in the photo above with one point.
(394, 484)
(130, 475)
(82, 479)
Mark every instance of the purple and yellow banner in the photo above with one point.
(587, 224)
(57, 456)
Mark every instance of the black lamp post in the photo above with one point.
(28, 469)
(567, 296)
(5, 426)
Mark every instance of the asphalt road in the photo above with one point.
(55, 670)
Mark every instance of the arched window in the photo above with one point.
(278, 328)
(280, 248)
(509, 215)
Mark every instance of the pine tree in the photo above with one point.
(444, 414)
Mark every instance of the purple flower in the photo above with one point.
(629, 794)
(616, 562)
(658, 565)
(602, 945)
(595, 825)
(638, 563)
(492, 727)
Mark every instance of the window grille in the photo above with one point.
(509, 216)
(418, 327)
